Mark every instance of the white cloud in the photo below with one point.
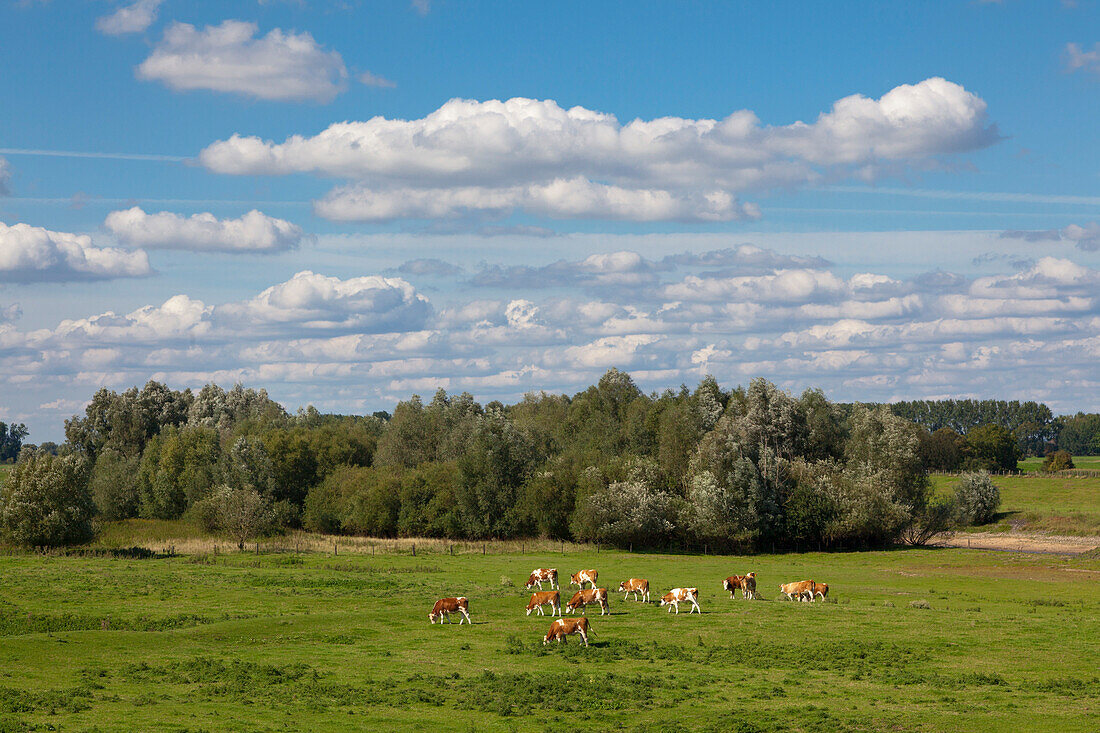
(1076, 58)
(33, 254)
(178, 318)
(282, 66)
(371, 79)
(783, 286)
(494, 157)
(313, 302)
(133, 18)
(575, 198)
(253, 232)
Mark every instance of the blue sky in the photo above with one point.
(886, 200)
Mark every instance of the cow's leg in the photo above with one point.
(584, 638)
(696, 606)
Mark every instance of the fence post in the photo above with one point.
(482, 548)
(335, 550)
(414, 549)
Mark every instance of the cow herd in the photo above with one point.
(803, 590)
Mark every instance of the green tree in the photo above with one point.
(242, 514)
(991, 448)
(114, 485)
(943, 450)
(11, 441)
(179, 467)
(1059, 460)
(46, 501)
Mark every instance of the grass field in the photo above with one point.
(1090, 463)
(316, 642)
(1043, 503)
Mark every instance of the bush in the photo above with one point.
(937, 517)
(240, 513)
(1059, 460)
(46, 501)
(977, 498)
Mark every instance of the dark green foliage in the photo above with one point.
(1059, 460)
(46, 501)
(114, 485)
(991, 448)
(11, 441)
(944, 450)
(1032, 423)
(179, 467)
(1080, 434)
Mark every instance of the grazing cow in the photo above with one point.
(635, 586)
(800, 590)
(545, 598)
(582, 577)
(732, 584)
(821, 589)
(582, 598)
(543, 575)
(444, 607)
(748, 586)
(563, 627)
(676, 596)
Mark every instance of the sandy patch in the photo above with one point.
(1018, 542)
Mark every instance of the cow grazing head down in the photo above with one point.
(676, 596)
(564, 627)
(637, 586)
(582, 598)
(581, 577)
(802, 590)
(545, 598)
(444, 607)
(542, 575)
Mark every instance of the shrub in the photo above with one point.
(240, 513)
(977, 498)
(937, 517)
(1059, 460)
(46, 501)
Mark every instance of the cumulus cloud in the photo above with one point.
(745, 256)
(1077, 58)
(231, 58)
(253, 232)
(133, 18)
(371, 304)
(33, 254)
(494, 157)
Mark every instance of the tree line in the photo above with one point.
(743, 468)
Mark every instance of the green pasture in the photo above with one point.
(1054, 504)
(912, 640)
(1089, 463)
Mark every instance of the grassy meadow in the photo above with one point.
(1048, 503)
(914, 640)
(1085, 463)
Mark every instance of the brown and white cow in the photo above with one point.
(637, 586)
(802, 590)
(582, 577)
(545, 598)
(733, 584)
(444, 607)
(564, 627)
(543, 575)
(676, 596)
(582, 598)
(821, 589)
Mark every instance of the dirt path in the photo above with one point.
(1019, 542)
